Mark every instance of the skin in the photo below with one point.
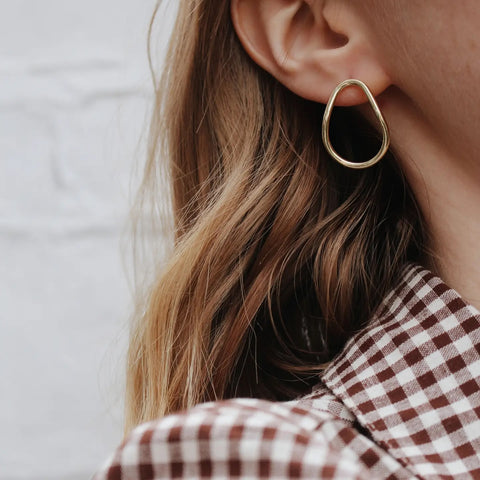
(421, 60)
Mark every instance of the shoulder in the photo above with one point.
(245, 438)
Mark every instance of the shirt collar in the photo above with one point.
(412, 375)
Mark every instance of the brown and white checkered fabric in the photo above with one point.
(401, 401)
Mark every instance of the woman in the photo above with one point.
(303, 300)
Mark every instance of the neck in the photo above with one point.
(450, 200)
(447, 188)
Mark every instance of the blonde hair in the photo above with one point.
(280, 254)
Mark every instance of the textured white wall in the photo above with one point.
(74, 92)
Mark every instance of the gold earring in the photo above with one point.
(326, 126)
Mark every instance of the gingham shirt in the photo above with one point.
(402, 400)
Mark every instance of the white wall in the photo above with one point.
(74, 92)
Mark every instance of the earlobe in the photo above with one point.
(309, 46)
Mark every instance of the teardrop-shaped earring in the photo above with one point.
(326, 126)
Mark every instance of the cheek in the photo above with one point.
(425, 40)
(432, 52)
(441, 68)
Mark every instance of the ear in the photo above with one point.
(310, 46)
